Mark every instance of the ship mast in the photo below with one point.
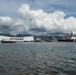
(71, 34)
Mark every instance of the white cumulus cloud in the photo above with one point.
(38, 22)
(5, 20)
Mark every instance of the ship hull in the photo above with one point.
(66, 40)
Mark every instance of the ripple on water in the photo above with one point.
(38, 59)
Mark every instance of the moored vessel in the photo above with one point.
(70, 38)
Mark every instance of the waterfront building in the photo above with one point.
(24, 39)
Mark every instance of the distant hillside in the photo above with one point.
(57, 35)
(22, 35)
(19, 35)
(6, 34)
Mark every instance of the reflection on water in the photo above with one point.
(52, 58)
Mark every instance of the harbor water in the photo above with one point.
(38, 58)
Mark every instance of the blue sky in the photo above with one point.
(39, 17)
(9, 7)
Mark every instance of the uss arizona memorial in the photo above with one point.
(16, 39)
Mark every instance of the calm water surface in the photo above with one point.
(38, 58)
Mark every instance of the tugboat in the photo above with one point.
(67, 39)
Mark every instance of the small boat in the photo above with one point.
(8, 41)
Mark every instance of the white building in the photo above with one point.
(26, 39)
